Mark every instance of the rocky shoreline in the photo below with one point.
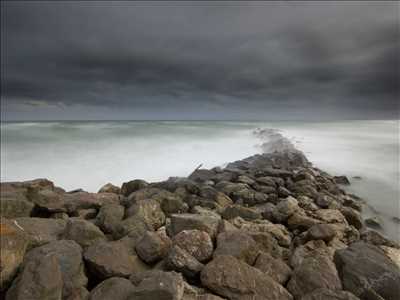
(270, 226)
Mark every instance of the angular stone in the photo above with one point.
(363, 267)
(301, 222)
(109, 216)
(149, 210)
(314, 273)
(320, 232)
(48, 201)
(197, 243)
(159, 285)
(392, 253)
(275, 268)
(325, 294)
(238, 244)
(353, 217)
(109, 188)
(331, 216)
(181, 261)
(181, 222)
(236, 280)
(109, 259)
(153, 247)
(83, 232)
(310, 249)
(129, 187)
(246, 213)
(14, 242)
(134, 226)
(375, 238)
(40, 230)
(115, 288)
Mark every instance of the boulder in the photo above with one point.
(238, 244)
(353, 217)
(173, 204)
(109, 216)
(197, 243)
(153, 247)
(129, 187)
(40, 269)
(14, 242)
(115, 288)
(246, 213)
(41, 279)
(205, 223)
(181, 261)
(109, 259)
(310, 249)
(374, 222)
(326, 294)
(159, 285)
(301, 222)
(392, 253)
(314, 273)
(83, 232)
(331, 216)
(375, 238)
(234, 279)
(40, 230)
(320, 232)
(134, 226)
(277, 269)
(87, 214)
(149, 210)
(267, 243)
(48, 201)
(341, 180)
(364, 267)
(285, 208)
(109, 188)
(15, 206)
(201, 175)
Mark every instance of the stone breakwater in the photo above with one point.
(270, 226)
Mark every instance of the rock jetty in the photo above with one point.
(270, 226)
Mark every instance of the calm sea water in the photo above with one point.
(89, 154)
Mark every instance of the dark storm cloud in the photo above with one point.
(200, 60)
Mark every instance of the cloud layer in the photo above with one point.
(196, 60)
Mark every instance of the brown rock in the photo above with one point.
(197, 243)
(275, 268)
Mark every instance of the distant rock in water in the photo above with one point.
(268, 227)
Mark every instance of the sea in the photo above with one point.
(88, 154)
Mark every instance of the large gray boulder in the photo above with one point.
(234, 279)
(153, 247)
(325, 294)
(277, 269)
(40, 269)
(13, 201)
(314, 273)
(364, 267)
(149, 210)
(181, 261)
(246, 213)
(115, 288)
(109, 216)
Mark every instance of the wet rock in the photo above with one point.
(375, 238)
(40, 230)
(234, 279)
(353, 217)
(109, 188)
(181, 261)
(159, 285)
(41, 279)
(14, 242)
(153, 247)
(238, 244)
(129, 187)
(181, 222)
(373, 222)
(149, 210)
(314, 273)
(109, 216)
(275, 268)
(363, 267)
(109, 259)
(197, 243)
(320, 232)
(246, 213)
(341, 180)
(83, 232)
(326, 294)
(115, 288)
(392, 253)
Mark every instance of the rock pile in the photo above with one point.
(270, 226)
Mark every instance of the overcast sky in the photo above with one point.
(195, 60)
